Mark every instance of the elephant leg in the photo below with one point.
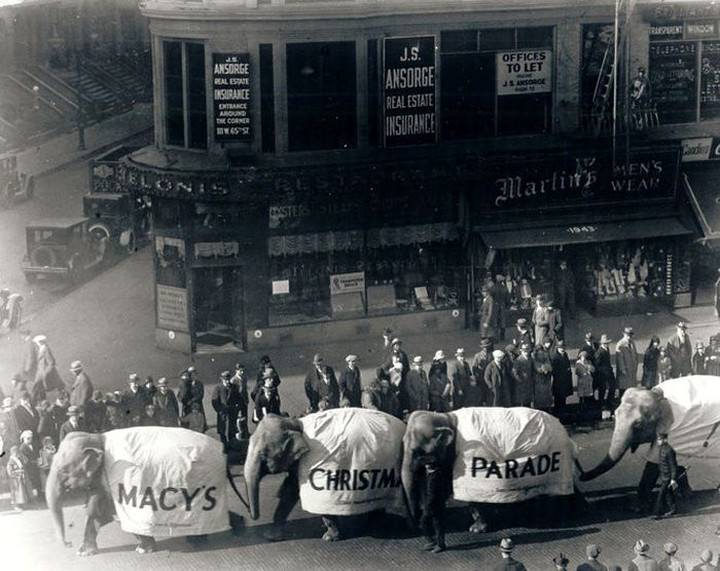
(438, 522)
(146, 544)
(332, 533)
(289, 494)
(100, 510)
(479, 525)
(649, 477)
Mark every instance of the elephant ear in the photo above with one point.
(92, 460)
(294, 447)
(665, 417)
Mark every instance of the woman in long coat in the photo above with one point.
(543, 376)
(562, 386)
(46, 374)
(20, 494)
(650, 363)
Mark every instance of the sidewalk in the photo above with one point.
(63, 149)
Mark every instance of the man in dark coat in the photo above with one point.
(72, 424)
(488, 315)
(350, 383)
(481, 359)
(562, 376)
(321, 383)
(498, 381)
(116, 417)
(589, 346)
(226, 402)
(417, 388)
(240, 380)
(82, 388)
(397, 352)
(668, 472)
(55, 417)
(679, 349)
(500, 294)
(565, 289)
(26, 415)
(604, 374)
(523, 334)
(523, 373)
(95, 413)
(556, 327)
(507, 563)
(459, 373)
(134, 401)
(266, 364)
(191, 392)
(166, 404)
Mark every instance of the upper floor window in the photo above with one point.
(496, 82)
(321, 96)
(185, 101)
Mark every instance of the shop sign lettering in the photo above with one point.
(668, 32)
(231, 97)
(347, 283)
(217, 249)
(172, 308)
(701, 149)
(699, 30)
(409, 91)
(524, 71)
(582, 229)
(679, 12)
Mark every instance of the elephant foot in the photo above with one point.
(330, 535)
(439, 548)
(144, 549)
(87, 551)
(429, 546)
(275, 534)
(479, 527)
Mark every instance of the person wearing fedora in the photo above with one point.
(671, 562)
(350, 383)
(226, 402)
(82, 388)
(166, 404)
(706, 563)
(679, 349)
(439, 386)
(72, 424)
(134, 401)
(604, 375)
(642, 561)
(488, 315)
(192, 392)
(396, 354)
(482, 358)
(95, 413)
(592, 552)
(417, 388)
(668, 473)
(562, 384)
(626, 362)
(459, 373)
(267, 401)
(321, 383)
(540, 318)
(508, 563)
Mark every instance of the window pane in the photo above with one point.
(710, 86)
(267, 98)
(197, 103)
(373, 92)
(597, 41)
(673, 77)
(174, 112)
(321, 95)
(524, 114)
(535, 37)
(467, 96)
(497, 39)
(459, 41)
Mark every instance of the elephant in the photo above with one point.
(483, 447)
(339, 462)
(153, 470)
(687, 409)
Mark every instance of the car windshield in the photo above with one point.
(98, 207)
(47, 236)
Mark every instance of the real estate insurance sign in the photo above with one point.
(409, 91)
(231, 97)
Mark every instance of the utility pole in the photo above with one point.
(79, 46)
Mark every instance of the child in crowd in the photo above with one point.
(584, 371)
(20, 494)
(664, 366)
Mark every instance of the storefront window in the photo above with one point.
(321, 90)
(185, 99)
(684, 70)
(496, 82)
(596, 47)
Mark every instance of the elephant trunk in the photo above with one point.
(619, 444)
(252, 484)
(408, 482)
(53, 496)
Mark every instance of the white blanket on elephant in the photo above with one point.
(353, 465)
(695, 402)
(167, 481)
(510, 454)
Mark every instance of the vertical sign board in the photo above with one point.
(231, 97)
(410, 116)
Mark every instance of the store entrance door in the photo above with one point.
(218, 309)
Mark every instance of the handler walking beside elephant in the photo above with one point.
(668, 470)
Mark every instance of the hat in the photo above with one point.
(522, 322)
(628, 331)
(439, 354)
(560, 343)
(485, 343)
(682, 325)
(239, 366)
(641, 546)
(351, 358)
(264, 359)
(73, 410)
(417, 360)
(604, 339)
(7, 401)
(706, 556)
(317, 358)
(583, 354)
(506, 545)
(589, 335)
(185, 377)
(29, 433)
(396, 341)
(592, 550)
(670, 548)
(269, 383)
(699, 345)
(526, 346)
(134, 377)
(162, 382)
(498, 353)
(40, 338)
(459, 351)
(561, 559)
(225, 375)
(191, 369)
(76, 366)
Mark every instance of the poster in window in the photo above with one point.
(172, 309)
(522, 72)
(231, 97)
(673, 77)
(710, 81)
(409, 91)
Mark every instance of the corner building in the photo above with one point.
(325, 169)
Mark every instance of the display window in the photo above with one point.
(370, 281)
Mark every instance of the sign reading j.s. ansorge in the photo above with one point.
(409, 91)
(231, 96)
(524, 71)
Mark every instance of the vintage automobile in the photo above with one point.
(14, 186)
(118, 219)
(62, 247)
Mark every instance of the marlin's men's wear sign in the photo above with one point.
(231, 97)
(510, 454)
(353, 465)
(167, 482)
(409, 91)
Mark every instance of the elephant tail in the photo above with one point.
(231, 479)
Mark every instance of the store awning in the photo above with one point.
(703, 189)
(583, 233)
(412, 234)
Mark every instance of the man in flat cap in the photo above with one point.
(321, 383)
(679, 349)
(350, 383)
(226, 401)
(508, 563)
(82, 388)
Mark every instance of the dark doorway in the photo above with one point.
(218, 308)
